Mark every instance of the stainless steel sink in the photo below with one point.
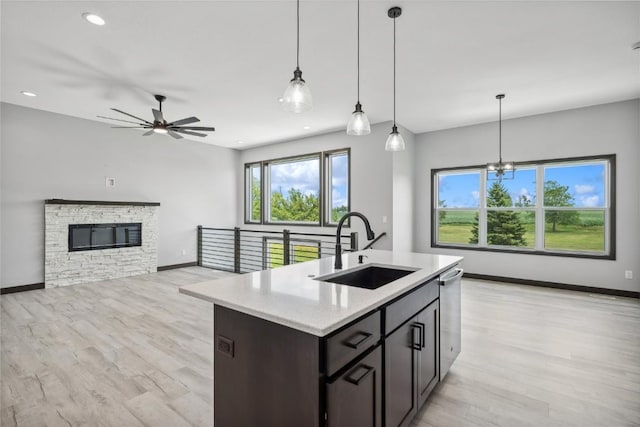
(370, 276)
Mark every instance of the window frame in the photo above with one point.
(324, 185)
(540, 210)
(248, 207)
(328, 187)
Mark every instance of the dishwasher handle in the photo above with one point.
(450, 276)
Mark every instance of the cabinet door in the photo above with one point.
(400, 374)
(355, 398)
(429, 353)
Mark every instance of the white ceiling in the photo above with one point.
(227, 62)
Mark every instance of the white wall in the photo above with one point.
(603, 129)
(403, 193)
(47, 155)
(372, 182)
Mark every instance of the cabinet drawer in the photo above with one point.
(401, 310)
(347, 344)
(355, 397)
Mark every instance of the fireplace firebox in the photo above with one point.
(87, 237)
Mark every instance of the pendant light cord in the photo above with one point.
(358, 38)
(298, 34)
(500, 130)
(394, 71)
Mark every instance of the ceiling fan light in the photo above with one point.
(359, 123)
(395, 141)
(297, 96)
(508, 165)
(492, 166)
(160, 130)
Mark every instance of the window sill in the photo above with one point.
(611, 256)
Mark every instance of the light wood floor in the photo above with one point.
(541, 357)
(133, 352)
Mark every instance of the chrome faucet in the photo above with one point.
(370, 235)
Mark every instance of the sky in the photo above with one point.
(304, 175)
(586, 185)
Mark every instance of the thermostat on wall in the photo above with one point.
(109, 182)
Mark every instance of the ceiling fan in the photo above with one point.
(160, 125)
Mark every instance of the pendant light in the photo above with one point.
(395, 142)
(359, 123)
(501, 170)
(297, 96)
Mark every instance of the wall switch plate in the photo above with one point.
(109, 182)
(384, 219)
(628, 274)
(184, 252)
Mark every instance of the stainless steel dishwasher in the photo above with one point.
(450, 314)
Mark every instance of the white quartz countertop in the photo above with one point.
(290, 296)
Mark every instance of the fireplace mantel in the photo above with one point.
(97, 202)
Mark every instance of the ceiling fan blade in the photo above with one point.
(120, 120)
(157, 115)
(131, 115)
(187, 132)
(151, 132)
(184, 121)
(129, 127)
(173, 134)
(211, 129)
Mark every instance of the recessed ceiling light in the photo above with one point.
(240, 142)
(281, 100)
(93, 18)
(26, 93)
(306, 127)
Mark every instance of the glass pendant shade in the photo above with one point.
(395, 141)
(359, 123)
(297, 96)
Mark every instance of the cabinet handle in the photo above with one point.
(357, 381)
(414, 345)
(421, 338)
(357, 339)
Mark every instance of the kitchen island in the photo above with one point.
(293, 349)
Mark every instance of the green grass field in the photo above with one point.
(587, 235)
(301, 253)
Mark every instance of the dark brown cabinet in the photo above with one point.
(400, 366)
(376, 371)
(355, 398)
(411, 362)
(428, 354)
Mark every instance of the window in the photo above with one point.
(311, 189)
(293, 190)
(253, 202)
(458, 203)
(559, 207)
(337, 184)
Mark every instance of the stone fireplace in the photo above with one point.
(88, 241)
